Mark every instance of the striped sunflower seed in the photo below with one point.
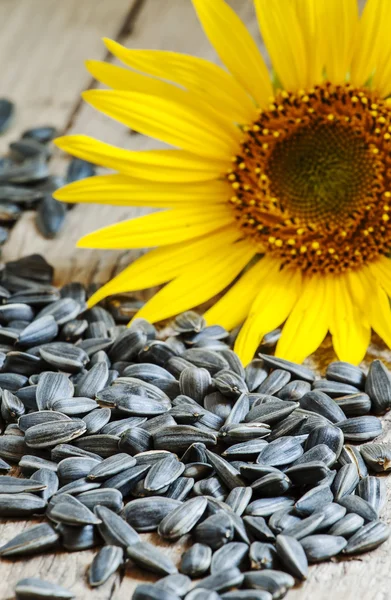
(103, 445)
(292, 555)
(47, 435)
(74, 406)
(232, 555)
(360, 429)
(322, 547)
(148, 591)
(32, 588)
(76, 539)
(40, 331)
(179, 438)
(216, 531)
(347, 526)
(377, 456)
(108, 497)
(163, 473)
(20, 505)
(47, 478)
(33, 540)
(354, 405)
(331, 513)
(195, 383)
(320, 403)
(304, 527)
(64, 356)
(378, 387)
(150, 558)
(230, 384)
(114, 529)
(96, 420)
(262, 556)
(272, 484)
(298, 371)
(222, 581)
(182, 519)
(345, 373)
(145, 514)
(374, 491)
(11, 407)
(110, 466)
(368, 537)
(264, 507)
(280, 452)
(329, 435)
(239, 498)
(345, 481)
(196, 560)
(274, 382)
(355, 504)
(176, 584)
(70, 511)
(259, 529)
(314, 499)
(51, 387)
(228, 475)
(247, 595)
(13, 485)
(270, 412)
(277, 583)
(351, 455)
(105, 563)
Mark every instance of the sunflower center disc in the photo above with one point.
(321, 172)
(312, 182)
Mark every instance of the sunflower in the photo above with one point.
(277, 191)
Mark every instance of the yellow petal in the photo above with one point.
(349, 327)
(235, 47)
(310, 15)
(161, 228)
(200, 281)
(340, 27)
(372, 44)
(158, 165)
(308, 323)
(232, 309)
(284, 40)
(126, 191)
(205, 80)
(378, 305)
(168, 120)
(270, 308)
(163, 264)
(381, 270)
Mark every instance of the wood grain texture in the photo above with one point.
(42, 49)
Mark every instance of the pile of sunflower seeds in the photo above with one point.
(26, 182)
(117, 432)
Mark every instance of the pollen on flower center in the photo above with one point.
(312, 182)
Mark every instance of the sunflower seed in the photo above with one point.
(32, 588)
(150, 558)
(180, 437)
(49, 479)
(373, 490)
(46, 435)
(326, 434)
(270, 412)
(262, 556)
(33, 540)
(103, 445)
(259, 529)
(309, 473)
(180, 488)
(291, 554)
(40, 331)
(15, 311)
(163, 473)
(345, 481)
(345, 373)
(78, 538)
(264, 507)
(347, 526)
(222, 581)
(320, 403)
(20, 505)
(360, 429)
(176, 584)
(274, 382)
(354, 405)
(108, 497)
(119, 427)
(334, 389)
(282, 451)
(314, 499)
(182, 519)
(377, 456)
(96, 420)
(145, 514)
(12, 381)
(239, 498)
(305, 527)
(294, 390)
(12, 448)
(11, 406)
(110, 466)
(52, 387)
(148, 591)
(368, 537)
(351, 455)
(64, 356)
(114, 529)
(275, 582)
(215, 531)
(62, 451)
(195, 383)
(356, 504)
(247, 595)
(299, 371)
(197, 560)
(70, 511)
(322, 547)
(105, 563)
(331, 513)
(378, 387)
(273, 484)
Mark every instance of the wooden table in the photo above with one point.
(43, 44)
